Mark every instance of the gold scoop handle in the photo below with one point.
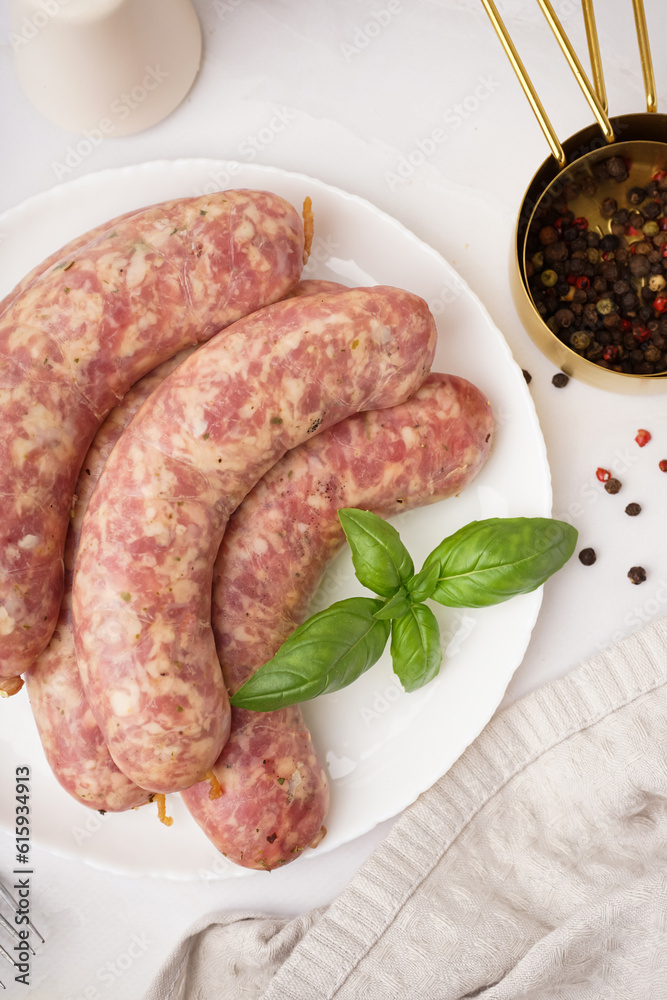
(577, 69)
(594, 52)
(528, 88)
(644, 54)
(524, 80)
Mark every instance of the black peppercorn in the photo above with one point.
(528, 377)
(609, 242)
(633, 509)
(587, 557)
(616, 168)
(555, 252)
(608, 207)
(560, 380)
(637, 574)
(564, 317)
(639, 266)
(636, 196)
(612, 486)
(609, 270)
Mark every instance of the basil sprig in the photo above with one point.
(484, 563)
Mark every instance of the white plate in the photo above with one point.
(382, 747)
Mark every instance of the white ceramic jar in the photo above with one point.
(115, 66)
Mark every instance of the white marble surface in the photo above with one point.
(411, 104)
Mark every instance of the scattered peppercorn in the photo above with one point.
(560, 380)
(633, 509)
(643, 437)
(603, 475)
(612, 486)
(587, 557)
(662, 464)
(528, 377)
(637, 574)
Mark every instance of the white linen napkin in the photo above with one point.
(535, 868)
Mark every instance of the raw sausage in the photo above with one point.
(72, 741)
(274, 789)
(65, 252)
(73, 744)
(79, 335)
(142, 585)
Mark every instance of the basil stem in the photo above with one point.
(422, 584)
(487, 562)
(416, 652)
(396, 606)
(327, 652)
(381, 561)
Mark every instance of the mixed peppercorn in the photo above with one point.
(636, 574)
(604, 294)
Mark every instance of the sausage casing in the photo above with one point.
(142, 585)
(72, 741)
(277, 545)
(75, 339)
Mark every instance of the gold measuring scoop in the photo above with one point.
(600, 162)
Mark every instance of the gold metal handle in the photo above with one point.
(594, 52)
(577, 68)
(645, 55)
(524, 80)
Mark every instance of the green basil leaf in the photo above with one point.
(381, 561)
(329, 651)
(487, 562)
(422, 584)
(416, 652)
(396, 606)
